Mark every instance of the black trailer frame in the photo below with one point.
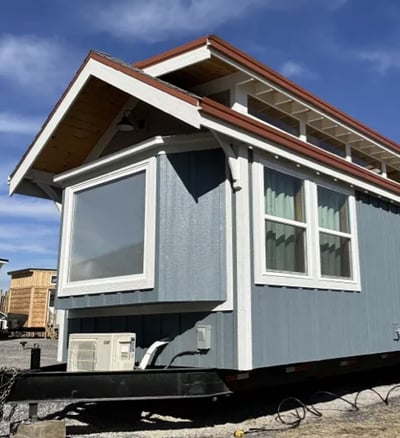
(52, 385)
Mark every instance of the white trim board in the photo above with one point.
(243, 267)
(132, 86)
(178, 62)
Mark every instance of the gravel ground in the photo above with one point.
(219, 419)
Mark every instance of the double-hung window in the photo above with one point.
(304, 230)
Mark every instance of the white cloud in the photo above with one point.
(292, 69)
(37, 64)
(156, 20)
(21, 207)
(18, 124)
(381, 60)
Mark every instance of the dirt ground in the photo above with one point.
(379, 421)
(255, 415)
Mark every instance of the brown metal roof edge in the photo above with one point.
(124, 68)
(202, 41)
(246, 123)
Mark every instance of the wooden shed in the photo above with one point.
(31, 297)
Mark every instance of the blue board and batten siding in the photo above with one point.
(191, 267)
(297, 325)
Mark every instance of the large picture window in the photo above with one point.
(304, 230)
(108, 238)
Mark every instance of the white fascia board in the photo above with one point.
(303, 103)
(279, 151)
(178, 62)
(155, 97)
(167, 103)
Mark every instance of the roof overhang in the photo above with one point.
(121, 76)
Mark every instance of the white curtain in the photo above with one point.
(285, 244)
(334, 250)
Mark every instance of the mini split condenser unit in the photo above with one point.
(101, 351)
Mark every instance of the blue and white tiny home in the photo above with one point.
(208, 199)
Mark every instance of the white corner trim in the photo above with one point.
(228, 304)
(243, 268)
(279, 151)
(178, 62)
(61, 335)
(132, 86)
(144, 280)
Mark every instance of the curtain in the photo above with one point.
(285, 244)
(334, 250)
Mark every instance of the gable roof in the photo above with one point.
(99, 69)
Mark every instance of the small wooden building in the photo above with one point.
(31, 297)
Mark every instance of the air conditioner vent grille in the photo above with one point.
(101, 351)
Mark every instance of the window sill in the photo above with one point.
(106, 285)
(300, 281)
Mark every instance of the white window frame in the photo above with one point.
(312, 278)
(144, 280)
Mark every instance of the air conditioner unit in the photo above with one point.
(101, 351)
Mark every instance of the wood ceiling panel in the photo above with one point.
(89, 116)
(200, 73)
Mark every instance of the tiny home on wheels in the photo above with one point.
(209, 202)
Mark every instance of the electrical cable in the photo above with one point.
(182, 353)
(300, 411)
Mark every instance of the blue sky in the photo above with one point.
(345, 51)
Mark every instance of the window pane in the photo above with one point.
(283, 195)
(323, 141)
(285, 249)
(273, 116)
(108, 229)
(333, 210)
(335, 255)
